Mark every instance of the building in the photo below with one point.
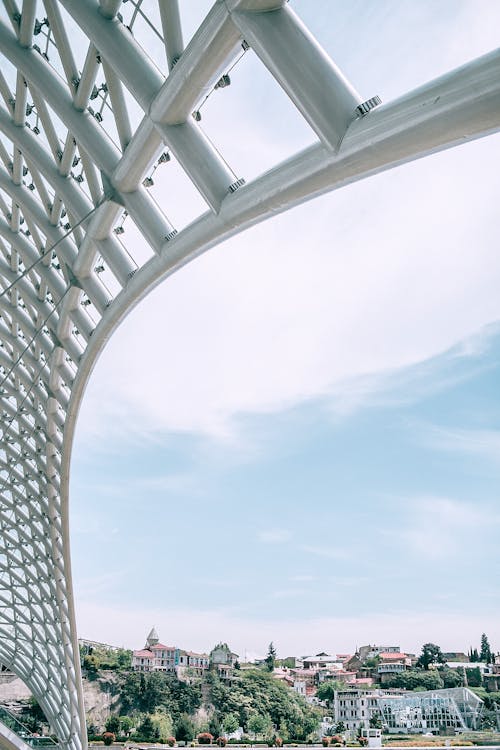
(191, 664)
(223, 661)
(455, 656)
(391, 663)
(322, 661)
(371, 652)
(434, 711)
(409, 712)
(155, 656)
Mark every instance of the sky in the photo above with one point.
(296, 437)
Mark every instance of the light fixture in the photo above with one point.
(197, 115)
(223, 82)
(148, 182)
(164, 158)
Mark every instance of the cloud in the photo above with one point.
(480, 443)
(436, 528)
(331, 552)
(304, 306)
(274, 536)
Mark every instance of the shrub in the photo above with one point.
(363, 741)
(205, 738)
(170, 741)
(108, 738)
(221, 741)
(325, 741)
(278, 742)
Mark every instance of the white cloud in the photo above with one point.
(274, 536)
(436, 528)
(332, 296)
(332, 552)
(482, 443)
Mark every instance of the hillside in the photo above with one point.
(155, 705)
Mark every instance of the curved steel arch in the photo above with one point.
(59, 236)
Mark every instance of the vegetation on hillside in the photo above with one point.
(95, 658)
(263, 705)
(155, 705)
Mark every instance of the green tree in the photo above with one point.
(112, 724)
(184, 728)
(231, 723)
(271, 657)
(376, 721)
(124, 658)
(326, 691)
(258, 724)
(474, 677)
(485, 654)
(340, 727)
(126, 724)
(215, 726)
(451, 677)
(146, 729)
(473, 655)
(431, 655)
(162, 722)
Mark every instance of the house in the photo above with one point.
(155, 656)
(322, 661)
(192, 663)
(391, 663)
(223, 661)
(371, 652)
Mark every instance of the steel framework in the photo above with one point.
(86, 115)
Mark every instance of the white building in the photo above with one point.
(409, 712)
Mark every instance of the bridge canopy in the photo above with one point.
(97, 97)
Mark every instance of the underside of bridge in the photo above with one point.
(96, 95)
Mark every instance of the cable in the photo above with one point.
(30, 342)
(18, 412)
(48, 251)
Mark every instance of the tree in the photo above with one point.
(376, 721)
(214, 726)
(257, 723)
(184, 728)
(231, 723)
(451, 677)
(474, 677)
(146, 728)
(431, 654)
(485, 654)
(126, 724)
(473, 654)
(271, 657)
(112, 724)
(340, 727)
(326, 691)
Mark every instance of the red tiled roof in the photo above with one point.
(144, 654)
(391, 655)
(162, 647)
